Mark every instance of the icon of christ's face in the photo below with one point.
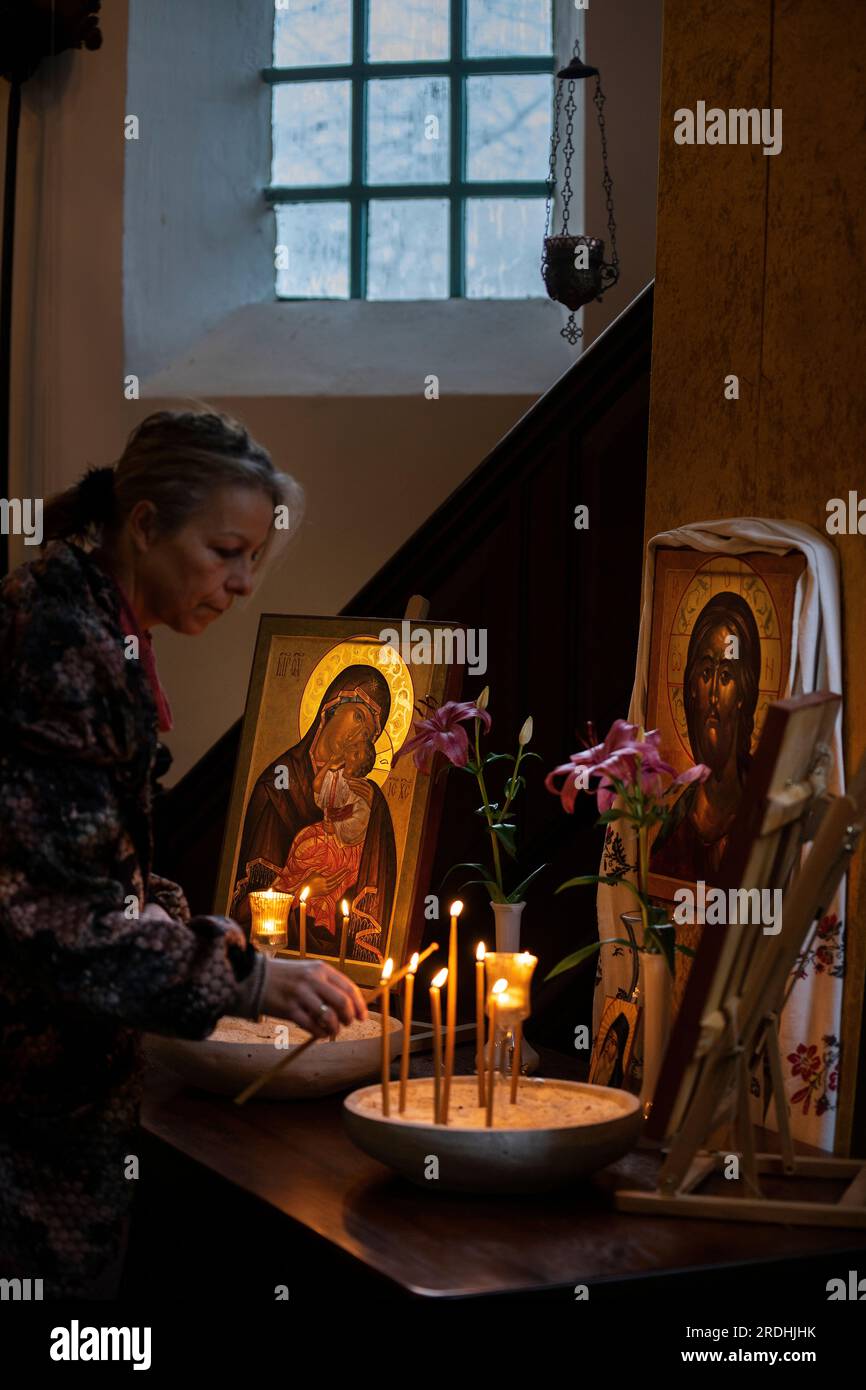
(714, 688)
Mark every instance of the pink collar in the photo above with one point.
(130, 624)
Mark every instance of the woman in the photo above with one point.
(95, 947)
(354, 707)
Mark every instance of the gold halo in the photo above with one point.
(725, 574)
(365, 651)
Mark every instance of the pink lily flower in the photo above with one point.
(444, 733)
(623, 756)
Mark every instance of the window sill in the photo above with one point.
(373, 348)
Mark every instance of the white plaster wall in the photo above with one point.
(198, 237)
(359, 348)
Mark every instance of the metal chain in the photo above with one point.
(571, 330)
(568, 152)
(554, 151)
(607, 181)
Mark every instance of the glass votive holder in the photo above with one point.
(269, 915)
(515, 967)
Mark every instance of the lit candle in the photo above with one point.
(302, 938)
(436, 1021)
(387, 970)
(269, 916)
(479, 1019)
(451, 1023)
(498, 989)
(407, 1028)
(516, 969)
(344, 933)
(515, 1059)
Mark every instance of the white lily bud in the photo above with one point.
(525, 733)
(481, 702)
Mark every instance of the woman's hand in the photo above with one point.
(296, 989)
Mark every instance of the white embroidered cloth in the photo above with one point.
(810, 1024)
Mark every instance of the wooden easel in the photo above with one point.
(740, 1023)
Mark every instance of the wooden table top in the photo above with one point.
(295, 1156)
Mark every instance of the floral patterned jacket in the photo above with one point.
(94, 947)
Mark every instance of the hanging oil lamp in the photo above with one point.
(573, 267)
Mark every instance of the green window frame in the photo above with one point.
(457, 190)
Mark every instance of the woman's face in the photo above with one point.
(187, 579)
(349, 724)
(715, 690)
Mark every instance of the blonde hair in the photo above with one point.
(175, 460)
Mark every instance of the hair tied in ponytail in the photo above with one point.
(96, 495)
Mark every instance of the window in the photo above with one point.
(410, 147)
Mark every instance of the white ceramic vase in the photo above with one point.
(655, 999)
(507, 917)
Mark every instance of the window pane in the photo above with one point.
(407, 249)
(402, 29)
(312, 31)
(311, 133)
(516, 27)
(313, 250)
(509, 126)
(407, 130)
(503, 248)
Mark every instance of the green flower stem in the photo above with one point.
(512, 783)
(483, 787)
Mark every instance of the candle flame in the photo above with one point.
(387, 970)
(413, 964)
(345, 907)
(438, 980)
(305, 893)
(499, 986)
(456, 908)
(480, 951)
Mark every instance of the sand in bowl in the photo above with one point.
(556, 1132)
(268, 1030)
(540, 1104)
(239, 1051)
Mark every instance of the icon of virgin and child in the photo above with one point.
(315, 819)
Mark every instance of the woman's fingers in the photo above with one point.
(298, 990)
(322, 1022)
(340, 994)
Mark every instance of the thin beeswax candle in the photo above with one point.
(436, 1021)
(407, 1028)
(451, 1024)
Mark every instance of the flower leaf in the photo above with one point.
(493, 888)
(505, 834)
(583, 954)
(516, 894)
